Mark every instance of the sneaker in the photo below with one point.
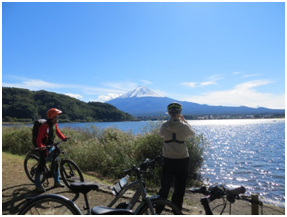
(40, 189)
(59, 184)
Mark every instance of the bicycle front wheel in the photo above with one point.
(50, 204)
(30, 166)
(70, 172)
(160, 206)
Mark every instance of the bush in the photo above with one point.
(108, 152)
(17, 139)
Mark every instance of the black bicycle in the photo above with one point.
(69, 170)
(54, 204)
(219, 191)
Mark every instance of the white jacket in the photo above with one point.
(175, 149)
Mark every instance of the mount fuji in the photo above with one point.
(140, 92)
(142, 101)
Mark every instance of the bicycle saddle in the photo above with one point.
(83, 187)
(99, 210)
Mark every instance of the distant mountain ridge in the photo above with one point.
(144, 102)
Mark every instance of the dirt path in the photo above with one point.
(16, 188)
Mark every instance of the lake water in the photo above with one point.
(248, 152)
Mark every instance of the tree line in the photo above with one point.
(23, 105)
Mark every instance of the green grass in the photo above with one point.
(108, 152)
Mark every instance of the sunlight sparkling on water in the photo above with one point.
(252, 155)
(233, 122)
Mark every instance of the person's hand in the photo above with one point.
(43, 148)
(182, 118)
(65, 140)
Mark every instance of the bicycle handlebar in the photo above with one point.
(55, 144)
(143, 166)
(236, 191)
(217, 191)
(50, 146)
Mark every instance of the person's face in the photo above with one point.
(55, 119)
(174, 114)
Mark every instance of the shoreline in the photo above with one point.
(20, 123)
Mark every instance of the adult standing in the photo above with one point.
(175, 154)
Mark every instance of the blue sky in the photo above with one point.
(228, 54)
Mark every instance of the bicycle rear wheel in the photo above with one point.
(50, 204)
(161, 206)
(70, 172)
(30, 166)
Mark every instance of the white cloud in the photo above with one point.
(190, 84)
(108, 97)
(250, 84)
(215, 77)
(36, 84)
(210, 81)
(160, 92)
(123, 86)
(241, 94)
(33, 84)
(251, 75)
(207, 83)
(145, 82)
(245, 76)
(77, 96)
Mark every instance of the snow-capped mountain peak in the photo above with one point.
(140, 92)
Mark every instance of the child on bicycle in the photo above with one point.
(46, 135)
(175, 154)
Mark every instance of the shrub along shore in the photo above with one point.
(109, 151)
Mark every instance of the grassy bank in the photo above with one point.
(16, 188)
(107, 152)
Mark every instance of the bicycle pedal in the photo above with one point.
(46, 184)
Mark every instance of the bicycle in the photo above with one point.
(69, 170)
(44, 204)
(220, 192)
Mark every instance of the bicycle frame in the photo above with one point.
(49, 172)
(140, 191)
(57, 154)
